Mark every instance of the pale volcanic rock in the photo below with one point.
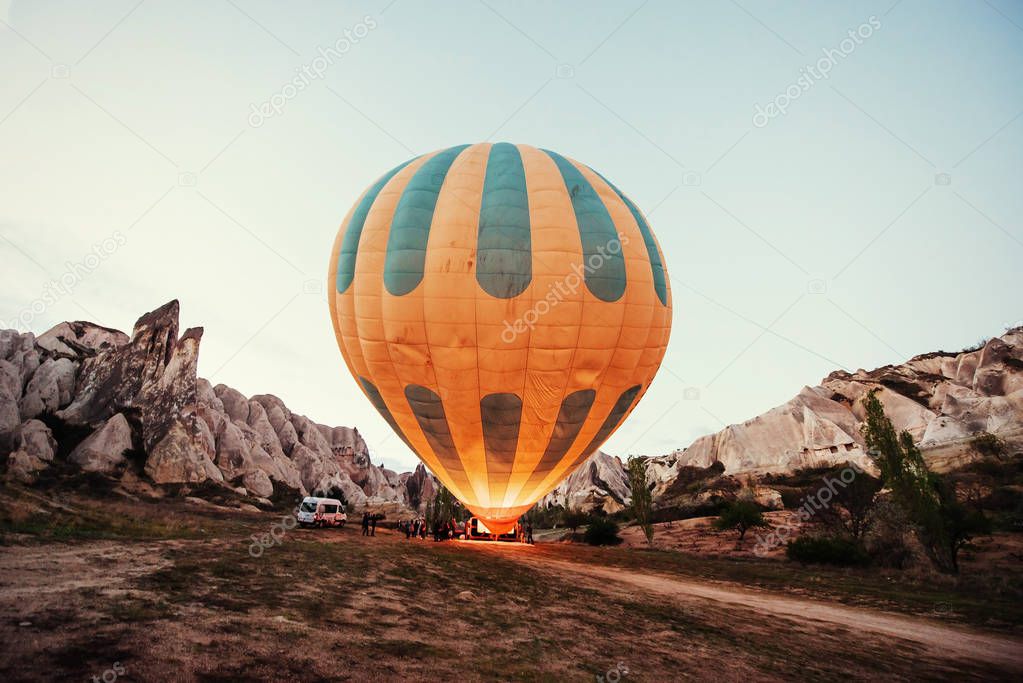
(258, 483)
(50, 388)
(206, 396)
(938, 398)
(276, 412)
(943, 400)
(601, 482)
(154, 373)
(103, 450)
(235, 404)
(79, 338)
(178, 459)
(10, 418)
(36, 439)
(143, 391)
(34, 451)
(10, 380)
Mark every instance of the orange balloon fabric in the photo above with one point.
(504, 308)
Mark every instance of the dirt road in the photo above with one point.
(941, 641)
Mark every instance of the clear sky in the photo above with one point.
(877, 217)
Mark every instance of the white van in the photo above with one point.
(321, 512)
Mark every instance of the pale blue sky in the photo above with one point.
(825, 238)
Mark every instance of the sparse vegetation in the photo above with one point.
(850, 509)
(741, 515)
(989, 445)
(573, 519)
(641, 502)
(602, 531)
(835, 550)
(943, 525)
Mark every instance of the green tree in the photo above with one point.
(441, 508)
(575, 518)
(850, 509)
(642, 505)
(742, 514)
(942, 524)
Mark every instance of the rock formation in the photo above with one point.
(115, 395)
(600, 483)
(132, 407)
(945, 400)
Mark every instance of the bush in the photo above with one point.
(826, 550)
(988, 444)
(742, 515)
(602, 531)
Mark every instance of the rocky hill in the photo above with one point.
(133, 409)
(945, 400)
(599, 483)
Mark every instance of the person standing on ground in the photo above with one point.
(529, 532)
(373, 525)
(365, 524)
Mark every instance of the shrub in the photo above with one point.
(988, 444)
(602, 531)
(742, 515)
(833, 550)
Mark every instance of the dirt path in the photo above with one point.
(941, 641)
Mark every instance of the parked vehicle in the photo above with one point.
(321, 512)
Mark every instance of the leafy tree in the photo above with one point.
(442, 508)
(545, 517)
(942, 524)
(849, 510)
(642, 506)
(574, 519)
(742, 514)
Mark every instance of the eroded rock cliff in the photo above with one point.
(107, 394)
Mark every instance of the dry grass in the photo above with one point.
(178, 596)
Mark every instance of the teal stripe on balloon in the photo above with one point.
(504, 265)
(603, 261)
(410, 228)
(353, 233)
(656, 265)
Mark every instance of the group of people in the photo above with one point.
(442, 531)
(413, 528)
(419, 528)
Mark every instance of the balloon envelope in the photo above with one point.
(504, 308)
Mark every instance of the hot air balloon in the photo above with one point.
(504, 308)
